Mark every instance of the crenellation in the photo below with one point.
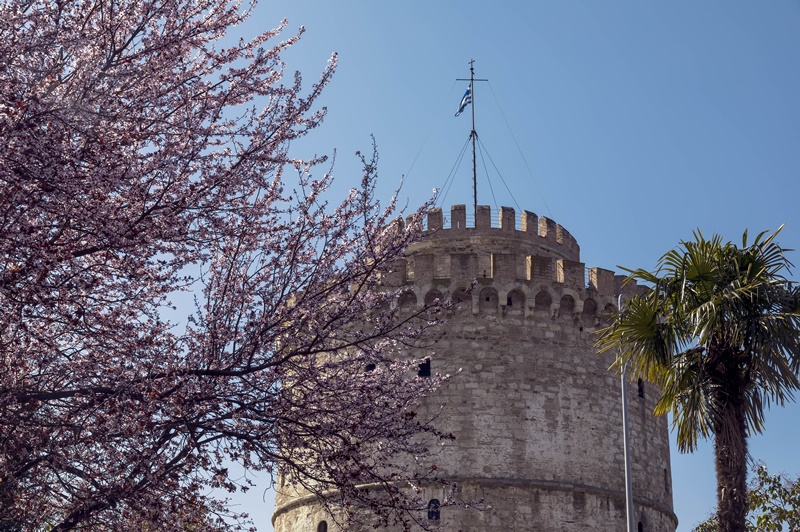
(507, 220)
(552, 238)
(627, 287)
(560, 233)
(542, 269)
(569, 242)
(483, 217)
(509, 259)
(398, 224)
(572, 273)
(458, 217)
(602, 281)
(547, 229)
(435, 219)
(530, 223)
(619, 283)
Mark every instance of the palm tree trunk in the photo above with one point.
(730, 453)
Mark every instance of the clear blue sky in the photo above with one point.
(639, 121)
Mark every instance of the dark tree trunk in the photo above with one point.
(730, 454)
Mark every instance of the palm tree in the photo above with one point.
(719, 333)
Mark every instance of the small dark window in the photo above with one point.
(509, 303)
(433, 510)
(322, 526)
(425, 369)
(666, 480)
(640, 386)
(369, 367)
(640, 527)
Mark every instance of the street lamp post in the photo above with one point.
(626, 444)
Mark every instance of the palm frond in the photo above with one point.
(708, 293)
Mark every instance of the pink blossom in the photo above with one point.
(141, 159)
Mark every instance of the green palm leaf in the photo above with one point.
(719, 333)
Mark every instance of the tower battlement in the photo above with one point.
(538, 230)
(531, 270)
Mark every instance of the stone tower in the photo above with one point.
(535, 411)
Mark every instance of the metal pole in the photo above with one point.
(626, 445)
(473, 135)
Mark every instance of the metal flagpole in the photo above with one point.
(473, 135)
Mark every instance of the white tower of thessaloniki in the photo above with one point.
(535, 411)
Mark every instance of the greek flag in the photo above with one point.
(465, 101)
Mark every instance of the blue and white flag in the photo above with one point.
(465, 101)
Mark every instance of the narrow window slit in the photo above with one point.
(434, 512)
(425, 369)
